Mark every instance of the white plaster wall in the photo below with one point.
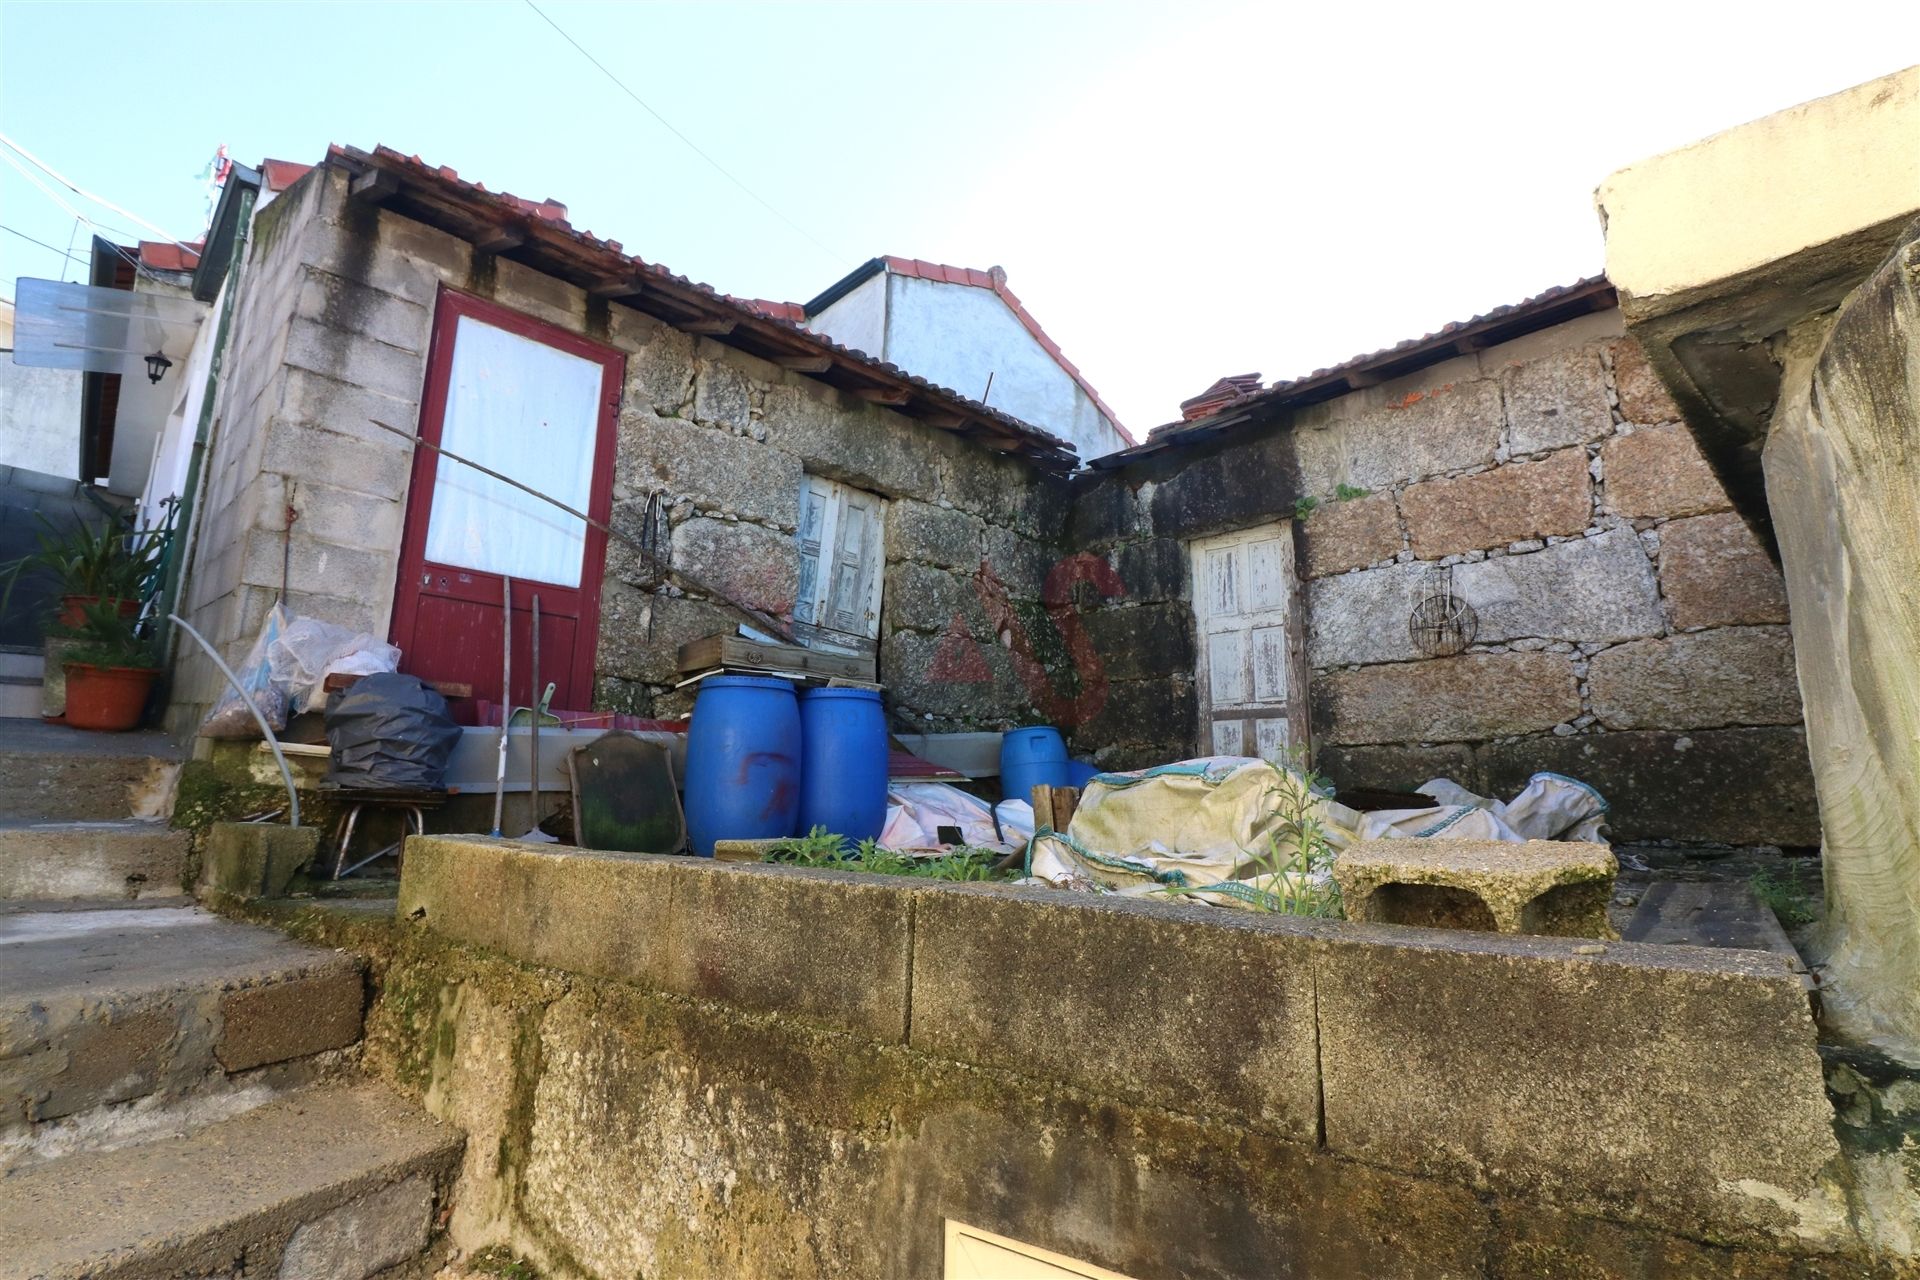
(955, 335)
(858, 320)
(39, 418)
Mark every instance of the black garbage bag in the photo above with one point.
(389, 732)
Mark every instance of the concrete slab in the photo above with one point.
(230, 1197)
(1673, 1085)
(50, 773)
(103, 1006)
(129, 859)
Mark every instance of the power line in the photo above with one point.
(42, 243)
(78, 190)
(54, 196)
(691, 144)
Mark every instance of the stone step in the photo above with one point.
(21, 664)
(110, 1012)
(50, 773)
(336, 1182)
(54, 860)
(20, 698)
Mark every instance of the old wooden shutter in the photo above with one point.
(1244, 610)
(841, 556)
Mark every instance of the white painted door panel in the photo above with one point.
(1243, 600)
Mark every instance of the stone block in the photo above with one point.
(918, 598)
(1701, 680)
(952, 677)
(1659, 471)
(1558, 888)
(308, 564)
(1450, 428)
(385, 370)
(1473, 697)
(939, 536)
(1143, 642)
(1142, 711)
(50, 860)
(1556, 401)
(602, 914)
(1396, 766)
(1715, 573)
(715, 470)
(749, 563)
(1673, 1085)
(1105, 510)
(722, 394)
(1081, 996)
(112, 1056)
(659, 364)
(255, 859)
(1598, 588)
(1253, 482)
(1020, 563)
(1351, 535)
(393, 254)
(294, 1018)
(627, 650)
(1553, 496)
(845, 439)
(1737, 786)
(1362, 617)
(1154, 569)
(315, 399)
(329, 514)
(380, 1229)
(846, 968)
(308, 452)
(1643, 397)
(1002, 490)
(537, 293)
(353, 306)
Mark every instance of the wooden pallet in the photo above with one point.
(734, 651)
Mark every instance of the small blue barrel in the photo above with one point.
(1032, 757)
(743, 761)
(1080, 773)
(843, 769)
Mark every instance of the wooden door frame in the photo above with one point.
(450, 305)
(1299, 720)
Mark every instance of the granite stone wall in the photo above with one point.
(1630, 630)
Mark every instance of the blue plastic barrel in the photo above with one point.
(1080, 773)
(1032, 757)
(843, 763)
(743, 761)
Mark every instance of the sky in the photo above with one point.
(1176, 191)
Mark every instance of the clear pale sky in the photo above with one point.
(1176, 191)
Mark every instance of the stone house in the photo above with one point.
(1630, 629)
(1241, 582)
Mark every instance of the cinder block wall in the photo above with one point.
(335, 320)
(1631, 630)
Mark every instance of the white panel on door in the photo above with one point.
(529, 411)
(1229, 738)
(1267, 562)
(1270, 663)
(840, 540)
(1270, 737)
(1223, 587)
(1227, 668)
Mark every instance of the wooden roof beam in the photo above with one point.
(374, 186)
(500, 239)
(711, 326)
(805, 364)
(893, 396)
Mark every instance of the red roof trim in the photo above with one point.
(278, 175)
(164, 255)
(996, 280)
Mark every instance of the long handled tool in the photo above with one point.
(506, 699)
(533, 743)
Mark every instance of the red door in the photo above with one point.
(539, 404)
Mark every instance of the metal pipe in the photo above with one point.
(506, 698)
(533, 696)
(286, 774)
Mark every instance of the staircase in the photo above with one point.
(21, 668)
(177, 1090)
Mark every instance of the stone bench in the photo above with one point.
(1551, 887)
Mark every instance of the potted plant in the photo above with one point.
(110, 668)
(117, 562)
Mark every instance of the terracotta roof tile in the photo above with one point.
(278, 175)
(164, 255)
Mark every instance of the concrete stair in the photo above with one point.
(50, 773)
(176, 1099)
(20, 675)
(337, 1182)
(64, 860)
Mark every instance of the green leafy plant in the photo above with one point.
(104, 638)
(821, 848)
(1304, 507)
(1789, 902)
(1297, 859)
(116, 561)
(1348, 492)
(818, 848)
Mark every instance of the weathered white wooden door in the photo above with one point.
(1244, 602)
(842, 536)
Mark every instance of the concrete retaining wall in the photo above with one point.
(674, 1067)
(1631, 630)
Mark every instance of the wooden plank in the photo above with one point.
(885, 395)
(805, 364)
(711, 327)
(445, 688)
(500, 239)
(616, 287)
(1708, 913)
(738, 651)
(373, 186)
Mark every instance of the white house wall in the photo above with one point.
(858, 319)
(39, 418)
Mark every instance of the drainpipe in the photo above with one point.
(187, 528)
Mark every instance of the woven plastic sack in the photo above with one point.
(230, 717)
(389, 732)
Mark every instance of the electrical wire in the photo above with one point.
(78, 190)
(54, 248)
(56, 198)
(799, 230)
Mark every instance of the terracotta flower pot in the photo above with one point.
(110, 698)
(72, 609)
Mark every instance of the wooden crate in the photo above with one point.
(738, 651)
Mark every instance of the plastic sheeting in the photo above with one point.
(917, 810)
(389, 732)
(1216, 827)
